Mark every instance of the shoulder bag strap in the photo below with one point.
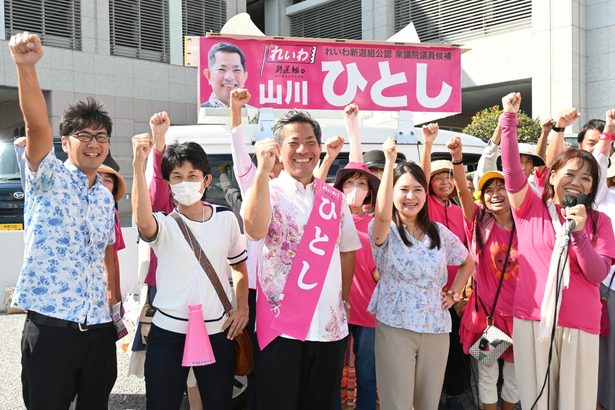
(205, 264)
(497, 294)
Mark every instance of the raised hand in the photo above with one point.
(26, 48)
(265, 154)
(511, 102)
(159, 123)
(545, 123)
(430, 132)
(455, 148)
(609, 127)
(351, 109)
(141, 146)
(390, 150)
(334, 146)
(567, 117)
(239, 97)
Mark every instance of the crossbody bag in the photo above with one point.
(493, 342)
(244, 357)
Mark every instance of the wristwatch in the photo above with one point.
(557, 129)
(456, 296)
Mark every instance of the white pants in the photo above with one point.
(488, 383)
(573, 381)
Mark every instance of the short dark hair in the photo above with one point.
(422, 219)
(295, 116)
(224, 48)
(176, 154)
(84, 114)
(583, 157)
(594, 124)
(370, 199)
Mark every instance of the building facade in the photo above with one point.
(129, 53)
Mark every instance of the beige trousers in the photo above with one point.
(409, 368)
(573, 376)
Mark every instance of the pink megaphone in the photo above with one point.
(197, 349)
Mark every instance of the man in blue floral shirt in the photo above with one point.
(68, 342)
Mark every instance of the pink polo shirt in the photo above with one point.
(580, 308)
(363, 284)
(450, 216)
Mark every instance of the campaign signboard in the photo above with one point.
(286, 73)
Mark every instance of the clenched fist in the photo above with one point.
(141, 146)
(26, 48)
(266, 154)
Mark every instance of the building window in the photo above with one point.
(455, 21)
(140, 29)
(200, 17)
(58, 22)
(340, 19)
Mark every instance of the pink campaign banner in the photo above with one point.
(325, 74)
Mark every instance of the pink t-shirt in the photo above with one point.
(489, 268)
(580, 308)
(363, 284)
(450, 216)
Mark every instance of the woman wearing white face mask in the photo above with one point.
(360, 187)
(181, 281)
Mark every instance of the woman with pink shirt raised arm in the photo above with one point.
(494, 246)
(557, 303)
(360, 187)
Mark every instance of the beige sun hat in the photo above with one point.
(121, 182)
(441, 165)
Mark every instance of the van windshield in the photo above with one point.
(9, 170)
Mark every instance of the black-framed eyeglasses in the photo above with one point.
(87, 137)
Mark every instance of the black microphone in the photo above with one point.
(568, 202)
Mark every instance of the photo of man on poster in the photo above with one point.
(225, 71)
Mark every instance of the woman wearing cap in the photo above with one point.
(412, 322)
(444, 211)
(493, 243)
(360, 187)
(557, 303)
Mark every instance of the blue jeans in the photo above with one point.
(365, 364)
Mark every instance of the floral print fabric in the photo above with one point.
(68, 225)
(291, 204)
(408, 295)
